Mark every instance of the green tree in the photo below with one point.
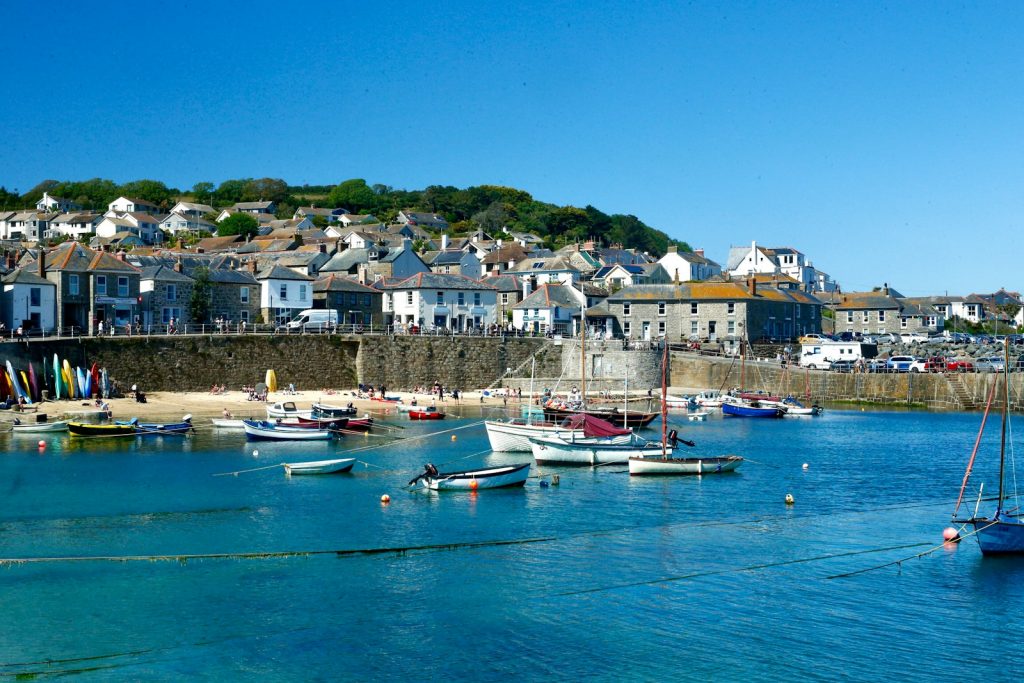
(238, 224)
(150, 190)
(199, 301)
(354, 195)
(202, 192)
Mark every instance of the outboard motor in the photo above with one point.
(673, 437)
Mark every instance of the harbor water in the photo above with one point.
(605, 577)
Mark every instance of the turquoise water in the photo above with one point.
(640, 579)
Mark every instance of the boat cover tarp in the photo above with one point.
(593, 426)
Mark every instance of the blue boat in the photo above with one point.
(751, 410)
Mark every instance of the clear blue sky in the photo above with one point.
(882, 140)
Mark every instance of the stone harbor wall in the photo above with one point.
(609, 368)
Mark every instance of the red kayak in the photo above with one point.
(428, 414)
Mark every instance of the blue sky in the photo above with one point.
(882, 140)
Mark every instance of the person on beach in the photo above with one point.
(226, 413)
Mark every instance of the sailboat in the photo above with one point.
(1003, 532)
(647, 464)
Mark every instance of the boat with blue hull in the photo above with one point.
(751, 410)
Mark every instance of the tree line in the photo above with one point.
(486, 207)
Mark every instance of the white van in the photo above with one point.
(313, 320)
(821, 356)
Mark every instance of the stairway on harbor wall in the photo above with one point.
(960, 391)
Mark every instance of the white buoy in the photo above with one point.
(789, 499)
(256, 453)
(806, 466)
(385, 499)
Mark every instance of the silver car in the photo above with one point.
(990, 364)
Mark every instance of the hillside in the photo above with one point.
(487, 207)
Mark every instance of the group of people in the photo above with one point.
(253, 395)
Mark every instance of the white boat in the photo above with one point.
(223, 423)
(672, 466)
(320, 466)
(554, 450)
(266, 431)
(678, 402)
(38, 427)
(794, 408)
(698, 416)
(504, 476)
(514, 435)
(712, 398)
(286, 409)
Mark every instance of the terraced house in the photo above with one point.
(725, 312)
(885, 310)
(92, 287)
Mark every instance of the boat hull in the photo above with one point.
(751, 411)
(423, 415)
(473, 480)
(152, 428)
(508, 437)
(1002, 536)
(588, 452)
(683, 466)
(90, 429)
(228, 424)
(256, 431)
(39, 427)
(336, 466)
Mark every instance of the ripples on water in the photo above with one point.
(646, 579)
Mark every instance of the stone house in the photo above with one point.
(510, 292)
(437, 301)
(166, 292)
(356, 304)
(91, 286)
(726, 312)
(550, 307)
(884, 310)
(234, 294)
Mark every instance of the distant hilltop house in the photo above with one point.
(744, 261)
(128, 205)
(59, 204)
(431, 221)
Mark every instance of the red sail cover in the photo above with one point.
(594, 426)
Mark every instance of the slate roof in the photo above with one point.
(710, 291)
(346, 260)
(246, 206)
(549, 295)
(505, 283)
(338, 283)
(277, 272)
(24, 276)
(164, 274)
(439, 281)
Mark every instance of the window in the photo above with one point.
(243, 292)
(365, 299)
(170, 312)
(408, 298)
(625, 328)
(903, 323)
(476, 298)
(864, 317)
(302, 292)
(661, 308)
(351, 299)
(462, 298)
(626, 309)
(72, 284)
(122, 285)
(849, 316)
(440, 298)
(693, 308)
(172, 292)
(284, 292)
(881, 316)
(243, 316)
(661, 328)
(504, 298)
(35, 296)
(693, 327)
(730, 307)
(101, 285)
(732, 327)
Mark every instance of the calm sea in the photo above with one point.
(656, 579)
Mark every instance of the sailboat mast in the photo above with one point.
(583, 351)
(1002, 433)
(664, 401)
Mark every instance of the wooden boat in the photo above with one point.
(514, 435)
(38, 427)
(261, 430)
(752, 410)
(585, 451)
(322, 410)
(1002, 531)
(428, 413)
(663, 463)
(93, 429)
(632, 418)
(320, 466)
(472, 480)
(320, 423)
(157, 428)
(362, 424)
(224, 423)
(759, 396)
(286, 409)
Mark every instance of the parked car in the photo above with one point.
(913, 338)
(933, 364)
(989, 364)
(843, 365)
(877, 365)
(958, 337)
(813, 338)
(899, 363)
(959, 365)
(887, 338)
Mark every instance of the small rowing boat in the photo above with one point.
(93, 429)
(261, 430)
(472, 480)
(223, 423)
(322, 410)
(673, 466)
(428, 413)
(320, 466)
(39, 427)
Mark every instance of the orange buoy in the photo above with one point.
(454, 438)
(385, 499)
(949, 534)
(474, 484)
(42, 444)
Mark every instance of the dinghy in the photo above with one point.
(472, 480)
(320, 466)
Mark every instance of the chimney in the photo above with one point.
(120, 255)
(322, 247)
(672, 249)
(177, 266)
(444, 242)
(698, 252)
(362, 271)
(251, 265)
(498, 242)
(885, 288)
(677, 276)
(41, 261)
(494, 271)
(752, 285)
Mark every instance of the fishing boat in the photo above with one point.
(38, 427)
(324, 410)
(754, 409)
(710, 398)
(663, 463)
(794, 408)
(261, 430)
(505, 476)
(514, 434)
(286, 409)
(679, 402)
(93, 429)
(320, 423)
(362, 424)
(157, 428)
(428, 413)
(320, 466)
(1002, 531)
(225, 423)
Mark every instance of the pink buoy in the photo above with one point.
(42, 444)
(949, 534)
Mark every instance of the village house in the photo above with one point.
(430, 221)
(74, 225)
(550, 308)
(434, 301)
(123, 205)
(91, 287)
(356, 304)
(883, 310)
(176, 223)
(165, 292)
(262, 208)
(684, 266)
(29, 302)
(235, 295)
(453, 261)
(624, 275)
(744, 261)
(192, 209)
(28, 226)
(50, 204)
(283, 293)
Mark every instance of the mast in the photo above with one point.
(1002, 433)
(583, 350)
(664, 401)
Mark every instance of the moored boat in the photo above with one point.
(93, 429)
(157, 428)
(38, 427)
(428, 413)
(261, 430)
(322, 410)
(752, 410)
(514, 434)
(225, 423)
(586, 451)
(632, 418)
(337, 465)
(286, 409)
(673, 466)
(504, 476)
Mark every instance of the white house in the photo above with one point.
(550, 307)
(143, 225)
(74, 225)
(191, 209)
(545, 270)
(688, 266)
(29, 301)
(283, 293)
(128, 205)
(29, 226)
(48, 204)
(180, 222)
(755, 260)
(436, 301)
